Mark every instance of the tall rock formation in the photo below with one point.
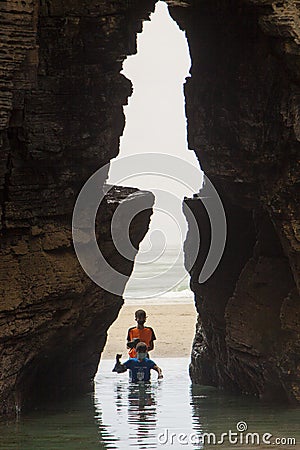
(61, 117)
(242, 104)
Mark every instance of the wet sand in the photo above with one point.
(173, 324)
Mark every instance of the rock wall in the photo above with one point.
(61, 118)
(61, 103)
(242, 104)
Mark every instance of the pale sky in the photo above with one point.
(155, 116)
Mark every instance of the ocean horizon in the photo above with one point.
(159, 280)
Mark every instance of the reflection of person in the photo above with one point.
(142, 410)
(140, 333)
(139, 367)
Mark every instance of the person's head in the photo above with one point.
(140, 316)
(141, 350)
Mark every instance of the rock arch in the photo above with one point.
(61, 118)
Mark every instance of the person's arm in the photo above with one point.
(128, 337)
(119, 367)
(158, 370)
(131, 342)
(151, 343)
(150, 346)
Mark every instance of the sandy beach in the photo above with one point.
(174, 326)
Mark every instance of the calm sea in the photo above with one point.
(159, 277)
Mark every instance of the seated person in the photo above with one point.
(140, 333)
(139, 367)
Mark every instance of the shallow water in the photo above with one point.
(119, 415)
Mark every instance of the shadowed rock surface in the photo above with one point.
(242, 104)
(61, 103)
(61, 118)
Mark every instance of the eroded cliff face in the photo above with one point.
(61, 118)
(242, 105)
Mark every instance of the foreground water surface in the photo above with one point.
(162, 414)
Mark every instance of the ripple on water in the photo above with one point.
(119, 415)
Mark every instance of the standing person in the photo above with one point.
(140, 333)
(139, 367)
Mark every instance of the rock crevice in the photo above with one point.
(61, 117)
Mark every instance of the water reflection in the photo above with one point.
(174, 414)
(121, 415)
(129, 416)
(218, 412)
(142, 409)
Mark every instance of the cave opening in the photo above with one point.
(156, 124)
(248, 139)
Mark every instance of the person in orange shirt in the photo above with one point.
(140, 333)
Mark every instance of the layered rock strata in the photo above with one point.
(61, 98)
(242, 104)
(61, 102)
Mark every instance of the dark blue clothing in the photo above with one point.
(139, 370)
